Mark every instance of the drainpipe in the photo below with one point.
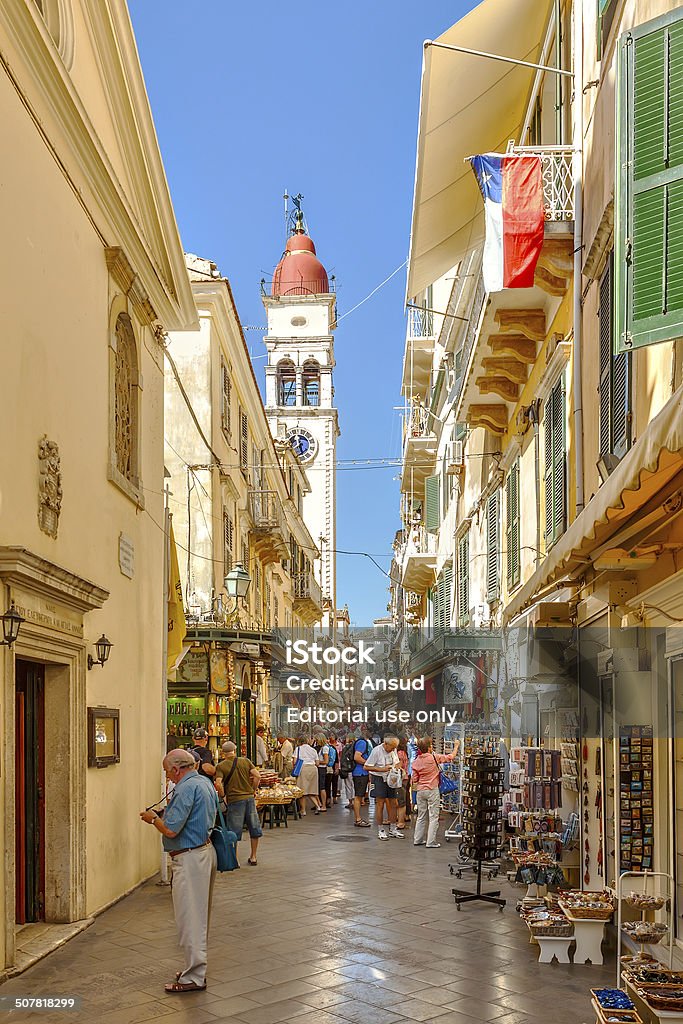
(577, 168)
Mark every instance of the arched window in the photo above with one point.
(311, 382)
(286, 382)
(126, 400)
(58, 18)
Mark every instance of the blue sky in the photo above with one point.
(321, 99)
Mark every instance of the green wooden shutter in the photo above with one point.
(615, 377)
(432, 517)
(649, 271)
(464, 579)
(492, 549)
(555, 465)
(512, 526)
(447, 594)
(605, 386)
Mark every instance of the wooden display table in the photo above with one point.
(554, 945)
(589, 933)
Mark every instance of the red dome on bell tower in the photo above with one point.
(300, 272)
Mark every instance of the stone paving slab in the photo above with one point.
(322, 932)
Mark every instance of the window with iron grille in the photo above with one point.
(228, 538)
(493, 547)
(512, 542)
(555, 464)
(226, 394)
(615, 377)
(463, 579)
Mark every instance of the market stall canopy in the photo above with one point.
(654, 460)
(468, 105)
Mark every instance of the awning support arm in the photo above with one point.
(498, 56)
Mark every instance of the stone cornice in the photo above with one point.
(36, 574)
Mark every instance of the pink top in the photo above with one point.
(426, 770)
(403, 759)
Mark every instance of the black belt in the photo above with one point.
(186, 849)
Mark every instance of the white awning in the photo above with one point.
(468, 105)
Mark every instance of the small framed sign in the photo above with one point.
(103, 737)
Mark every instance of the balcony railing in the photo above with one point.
(307, 588)
(420, 323)
(418, 422)
(265, 510)
(558, 184)
(301, 288)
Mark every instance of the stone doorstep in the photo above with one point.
(35, 941)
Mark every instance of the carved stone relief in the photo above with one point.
(49, 487)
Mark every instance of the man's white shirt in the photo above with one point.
(380, 757)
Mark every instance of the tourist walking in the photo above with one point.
(321, 747)
(261, 748)
(425, 780)
(382, 761)
(308, 776)
(346, 766)
(402, 794)
(237, 780)
(185, 828)
(361, 751)
(338, 747)
(202, 754)
(287, 754)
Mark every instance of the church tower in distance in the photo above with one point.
(301, 311)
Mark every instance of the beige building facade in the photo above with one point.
(237, 494)
(93, 274)
(542, 470)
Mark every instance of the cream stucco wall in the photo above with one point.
(59, 306)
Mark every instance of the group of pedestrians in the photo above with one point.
(400, 780)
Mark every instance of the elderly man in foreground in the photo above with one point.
(186, 827)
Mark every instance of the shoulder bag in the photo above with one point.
(298, 765)
(446, 785)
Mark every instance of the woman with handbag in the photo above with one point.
(426, 776)
(305, 770)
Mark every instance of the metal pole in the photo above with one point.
(497, 56)
(577, 162)
(164, 879)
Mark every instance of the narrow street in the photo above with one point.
(332, 926)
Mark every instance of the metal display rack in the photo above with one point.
(667, 896)
(482, 797)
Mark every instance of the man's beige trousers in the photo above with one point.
(194, 873)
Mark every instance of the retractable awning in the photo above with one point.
(468, 105)
(653, 461)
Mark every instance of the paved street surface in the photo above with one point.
(332, 927)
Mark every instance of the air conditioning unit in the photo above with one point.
(455, 458)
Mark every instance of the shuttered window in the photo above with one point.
(228, 539)
(463, 579)
(493, 547)
(512, 543)
(648, 268)
(555, 465)
(244, 441)
(615, 377)
(432, 517)
(447, 594)
(226, 394)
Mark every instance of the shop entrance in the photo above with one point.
(30, 791)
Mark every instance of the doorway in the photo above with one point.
(30, 791)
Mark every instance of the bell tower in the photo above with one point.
(301, 311)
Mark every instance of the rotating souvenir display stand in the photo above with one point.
(482, 794)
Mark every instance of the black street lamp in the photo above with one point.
(11, 624)
(103, 647)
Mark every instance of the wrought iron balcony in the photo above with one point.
(558, 183)
(420, 323)
(308, 601)
(265, 510)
